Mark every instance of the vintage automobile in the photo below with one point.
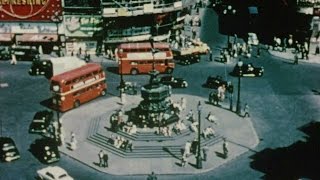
(40, 122)
(53, 173)
(8, 150)
(215, 82)
(247, 70)
(174, 82)
(46, 150)
(186, 59)
(26, 53)
(129, 88)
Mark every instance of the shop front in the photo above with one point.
(83, 34)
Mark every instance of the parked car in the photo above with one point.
(215, 82)
(248, 70)
(8, 150)
(53, 173)
(40, 122)
(26, 53)
(46, 150)
(5, 53)
(174, 82)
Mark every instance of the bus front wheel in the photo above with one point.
(134, 71)
(76, 104)
(169, 70)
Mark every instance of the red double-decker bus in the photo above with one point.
(75, 87)
(139, 58)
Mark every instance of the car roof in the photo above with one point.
(58, 170)
(42, 114)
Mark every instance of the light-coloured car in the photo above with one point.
(53, 173)
(253, 39)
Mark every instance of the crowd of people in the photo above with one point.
(121, 143)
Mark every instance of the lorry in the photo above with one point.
(54, 66)
(191, 52)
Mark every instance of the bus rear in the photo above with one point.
(75, 87)
(140, 58)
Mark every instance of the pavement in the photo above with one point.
(238, 131)
(289, 56)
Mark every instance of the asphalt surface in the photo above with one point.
(280, 102)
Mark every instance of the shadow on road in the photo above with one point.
(299, 160)
(47, 103)
(113, 70)
(172, 154)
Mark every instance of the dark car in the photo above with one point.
(46, 150)
(8, 150)
(40, 122)
(187, 59)
(41, 67)
(174, 82)
(248, 70)
(5, 53)
(26, 53)
(215, 82)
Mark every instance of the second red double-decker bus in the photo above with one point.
(140, 58)
(72, 88)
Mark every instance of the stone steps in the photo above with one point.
(154, 150)
(150, 136)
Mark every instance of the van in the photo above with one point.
(26, 53)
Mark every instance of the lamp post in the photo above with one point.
(199, 159)
(56, 18)
(240, 63)
(228, 11)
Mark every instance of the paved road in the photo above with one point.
(280, 102)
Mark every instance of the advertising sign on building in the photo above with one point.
(81, 25)
(29, 10)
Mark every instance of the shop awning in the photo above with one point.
(5, 37)
(37, 38)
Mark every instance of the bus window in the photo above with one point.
(166, 62)
(134, 63)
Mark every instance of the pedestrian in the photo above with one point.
(73, 142)
(13, 58)
(205, 150)
(296, 59)
(183, 161)
(246, 110)
(130, 145)
(72, 53)
(101, 158)
(152, 176)
(183, 103)
(105, 160)
(225, 148)
(210, 55)
(194, 33)
(317, 50)
(258, 51)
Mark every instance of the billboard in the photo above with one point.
(82, 25)
(29, 10)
